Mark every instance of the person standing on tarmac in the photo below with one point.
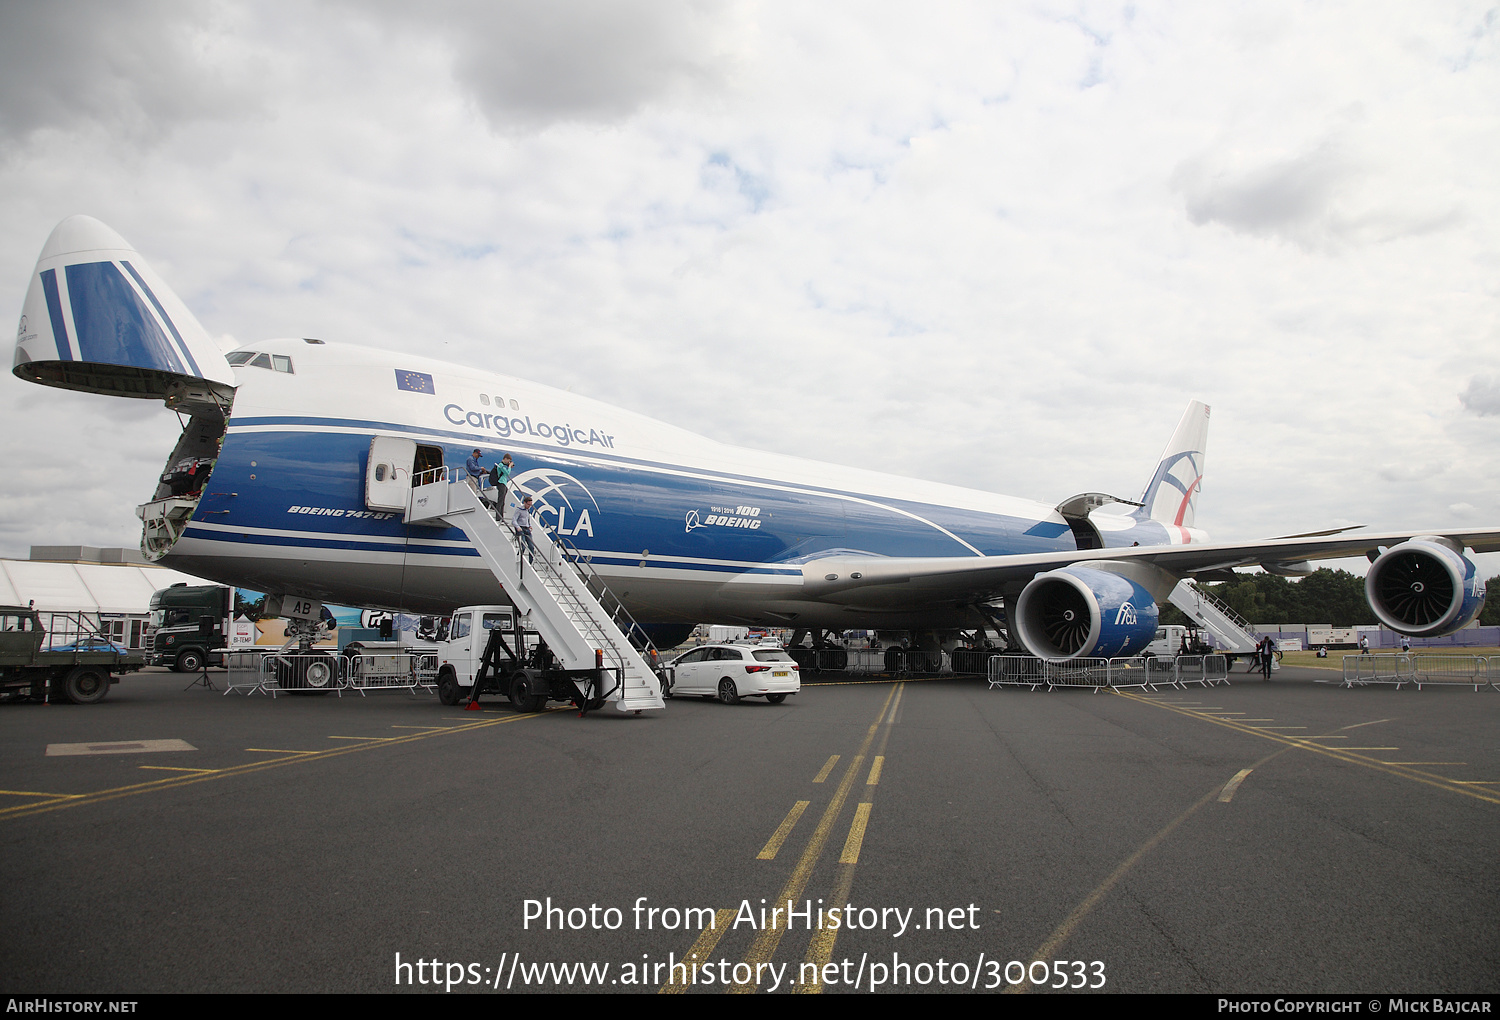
(1267, 655)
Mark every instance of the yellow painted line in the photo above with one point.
(1255, 720)
(874, 779)
(171, 782)
(396, 727)
(1339, 754)
(1070, 923)
(1475, 782)
(1424, 763)
(1232, 785)
(820, 948)
(366, 738)
(1372, 722)
(856, 834)
(172, 768)
(34, 793)
(827, 768)
(280, 750)
(764, 947)
(1281, 727)
(1346, 747)
(768, 853)
(699, 950)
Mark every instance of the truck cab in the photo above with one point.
(179, 639)
(462, 646)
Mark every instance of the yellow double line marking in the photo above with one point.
(766, 943)
(820, 948)
(172, 782)
(1339, 754)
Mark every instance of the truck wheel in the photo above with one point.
(521, 695)
(85, 685)
(448, 689)
(189, 660)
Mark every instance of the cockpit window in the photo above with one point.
(275, 362)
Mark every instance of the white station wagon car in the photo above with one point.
(732, 672)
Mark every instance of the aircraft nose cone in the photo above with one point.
(81, 233)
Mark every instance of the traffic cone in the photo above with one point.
(473, 706)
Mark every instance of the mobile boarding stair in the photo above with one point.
(564, 610)
(1215, 616)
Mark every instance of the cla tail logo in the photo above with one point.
(1126, 616)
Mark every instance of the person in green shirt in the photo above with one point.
(500, 480)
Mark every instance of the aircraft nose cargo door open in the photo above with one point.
(97, 318)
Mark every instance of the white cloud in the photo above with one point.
(990, 246)
(1482, 396)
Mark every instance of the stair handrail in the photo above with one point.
(591, 578)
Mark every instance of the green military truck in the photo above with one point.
(180, 639)
(67, 658)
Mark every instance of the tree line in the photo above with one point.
(1334, 597)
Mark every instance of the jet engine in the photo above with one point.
(1077, 612)
(1425, 587)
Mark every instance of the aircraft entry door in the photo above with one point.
(388, 472)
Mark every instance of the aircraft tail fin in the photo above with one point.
(1171, 496)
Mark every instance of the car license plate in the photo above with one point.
(782, 672)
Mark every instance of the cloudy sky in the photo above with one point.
(997, 245)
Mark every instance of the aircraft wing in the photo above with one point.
(876, 582)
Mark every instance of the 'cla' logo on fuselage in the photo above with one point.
(1126, 616)
(549, 488)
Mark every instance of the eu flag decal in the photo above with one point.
(417, 382)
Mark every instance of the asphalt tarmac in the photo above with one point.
(1277, 837)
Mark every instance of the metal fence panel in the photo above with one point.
(1132, 671)
(410, 671)
(1378, 668)
(1018, 670)
(1199, 669)
(244, 670)
(1464, 670)
(282, 672)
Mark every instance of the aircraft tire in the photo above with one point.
(85, 685)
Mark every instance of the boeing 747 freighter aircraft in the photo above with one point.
(294, 472)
